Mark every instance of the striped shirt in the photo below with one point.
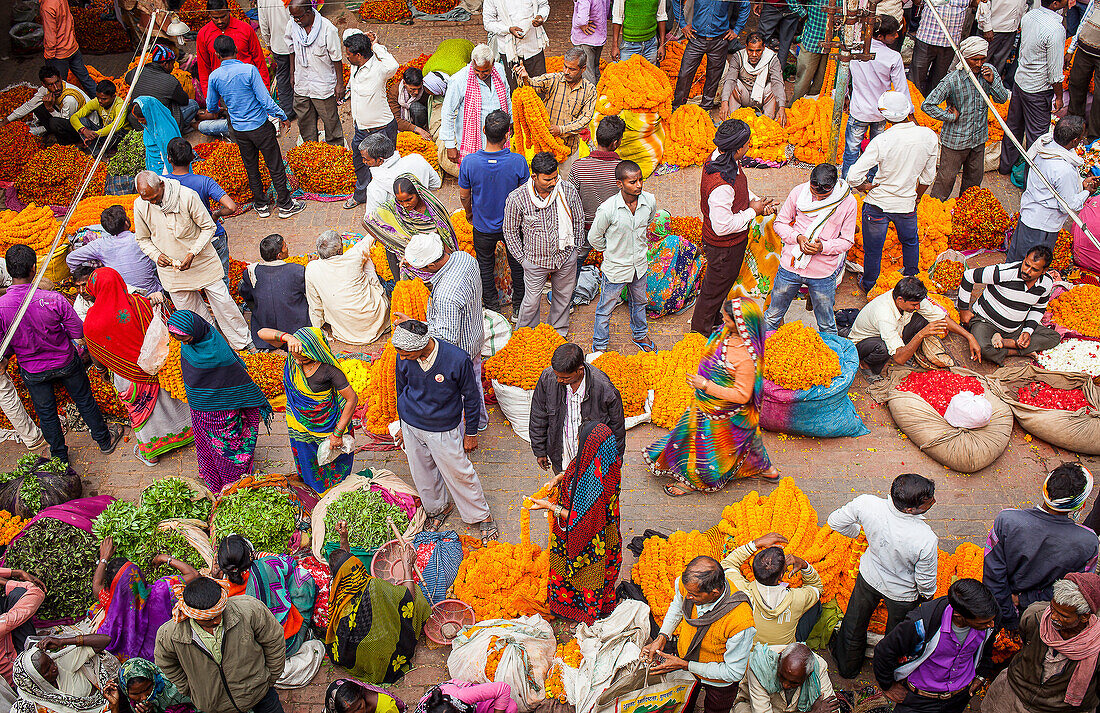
(1042, 51)
(953, 13)
(971, 127)
(531, 233)
(594, 177)
(454, 309)
(569, 107)
(571, 427)
(1007, 302)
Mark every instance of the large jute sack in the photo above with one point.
(1077, 431)
(962, 449)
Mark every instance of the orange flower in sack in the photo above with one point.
(690, 136)
(797, 358)
(948, 274)
(634, 85)
(266, 369)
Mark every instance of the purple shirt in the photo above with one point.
(950, 668)
(596, 12)
(120, 252)
(43, 339)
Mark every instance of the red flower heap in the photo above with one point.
(1046, 396)
(978, 221)
(939, 387)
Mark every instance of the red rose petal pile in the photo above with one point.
(939, 387)
(1046, 396)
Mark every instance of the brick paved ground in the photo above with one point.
(831, 472)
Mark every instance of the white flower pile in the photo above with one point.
(1078, 355)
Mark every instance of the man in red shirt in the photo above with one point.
(59, 46)
(242, 34)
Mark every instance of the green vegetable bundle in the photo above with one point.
(173, 544)
(62, 556)
(365, 513)
(171, 498)
(263, 515)
(134, 530)
(130, 157)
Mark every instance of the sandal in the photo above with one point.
(675, 491)
(351, 203)
(772, 474)
(489, 530)
(437, 520)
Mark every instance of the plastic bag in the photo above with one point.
(154, 350)
(326, 455)
(528, 645)
(968, 410)
(516, 405)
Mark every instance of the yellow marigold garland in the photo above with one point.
(358, 373)
(634, 85)
(797, 358)
(34, 226)
(89, 209)
(10, 526)
(531, 124)
(627, 374)
(690, 136)
(1078, 310)
(410, 297)
(522, 360)
(170, 376)
(381, 262)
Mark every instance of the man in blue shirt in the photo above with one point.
(485, 178)
(241, 89)
(706, 24)
(181, 156)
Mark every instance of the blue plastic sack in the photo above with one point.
(820, 412)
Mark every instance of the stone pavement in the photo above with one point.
(829, 471)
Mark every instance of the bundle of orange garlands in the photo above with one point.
(628, 374)
(996, 133)
(634, 85)
(531, 126)
(809, 125)
(410, 297)
(689, 139)
(381, 261)
(121, 87)
(382, 402)
(670, 65)
(53, 176)
(409, 142)
(89, 209)
(464, 232)
(797, 358)
(17, 145)
(521, 361)
(769, 138)
(978, 221)
(223, 163)
(667, 372)
(322, 168)
(34, 226)
(15, 96)
(384, 10)
(933, 229)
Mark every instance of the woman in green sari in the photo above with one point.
(413, 210)
(143, 688)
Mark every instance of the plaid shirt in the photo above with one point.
(531, 233)
(454, 309)
(570, 108)
(813, 33)
(953, 13)
(971, 128)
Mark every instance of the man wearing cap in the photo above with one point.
(904, 157)
(965, 125)
(454, 308)
(224, 653)
(1029, 549)
(437, 404)
(156, 80)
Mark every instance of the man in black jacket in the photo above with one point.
(157, 81)
(567, 394)
(936, 659)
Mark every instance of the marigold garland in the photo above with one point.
(979, 221)
(381, 261)
(170, 375)
(948, 274)
(464, 232)
(809, 125)
(53, 176)
(89, 209)
(502, 581)
(1063, 251)
(531, 124)
(670, 65)
(15, 96)
(384, 10)
(34, 226)
(662, 561)
(382, 406)
(266, 369)
(769, 138)
(97, 34)
(933, 229)
(797, 358)
(634, 85)
(410, 297)
(667, 375)
(522, 360)
(690, 136)
(322, 168)
(409, 142)
(1078, 310)
(358, 373)
(627, 374)
(17, 145)
(10, 526)
(224, 165)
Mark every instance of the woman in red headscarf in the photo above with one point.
(114, 331)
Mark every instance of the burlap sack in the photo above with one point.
(1077, 431)
(194, 531)
(962, 449)
(381, 477)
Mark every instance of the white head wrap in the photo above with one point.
(895, 107)
(407, 340)
(971, 47)
(1072, 503)
(423, 249)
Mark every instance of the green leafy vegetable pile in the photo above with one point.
(134, 529)
(170, 498)
(365, 513)
(62, 556)
(263, 515)
(130, 157)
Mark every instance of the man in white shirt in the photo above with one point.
(898, 568)
(379, 152)
(473, 92)
(905, 158)
(371, 67)
(780, 679)
(273, 16)
(52, 106)
(343, 291)
(317, 57)
(1038, 80)
(870, 79)
(517, 28)
(999, 21)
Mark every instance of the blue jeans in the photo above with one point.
(822, 296)
(647, 49)
(853, 137)
(874, 226)
(214, 127)
(187, 115)
(75, 62)
(609, 297)
(74, 380)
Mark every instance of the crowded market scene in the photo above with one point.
(498, 356)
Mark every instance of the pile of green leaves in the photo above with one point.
(136, 537)
(263, 515)
(30, 489)
(175, 545)
(365, 513)
(62, 556)
(170, 498)
(130, 157)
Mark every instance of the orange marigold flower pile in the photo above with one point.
(769, 138)
(99, 35)
(266, 369)
(1063, 251)
(417, 62)
(688, 227)
(382, 406)
(522, 360)
(502, 581)
(634, 85)
(409, 142)
(89, 209)
(15, 96)
(531, 125)
(10, 526)
(690, 136)
(797, 358)
(658, 569)
(435, 7)
(410, 297)
(17, 145)
(627, 374)
(670, 65)
(667, 375)
(979, 221)
(948, 274)
(121, 87)
(53, 175)
(322, 168)
(464, 232)
(193, 12)
(1078, 310)
(224, 165)
(34, 226)
(384, 10)
(809, 123)
(381, 262)
(170, 376)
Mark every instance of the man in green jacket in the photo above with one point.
(224, 653)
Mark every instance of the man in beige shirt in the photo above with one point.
(785, 680)
(343, 291)
(175, 229)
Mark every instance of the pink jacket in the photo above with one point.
(837, 235)
(487, 697)
(23, 610)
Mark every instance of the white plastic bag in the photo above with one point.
(516, 405)
(968, 410)
(528, 648)
(497, 332)
(154, 349)
(325, 453)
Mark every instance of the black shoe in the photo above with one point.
(264, 211)
(292, 208)
(116, 436)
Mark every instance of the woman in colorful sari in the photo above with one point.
(373, 625)
(143, 688)
(158, 127)
(320, 403)
(346, 695)
(114, 330)
(413, 210)
(276, 580)
(226, 405)
(718, 437)
(55, 678)
(585, 544)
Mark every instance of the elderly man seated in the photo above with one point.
(343, 290)
(755, 78)
(380, 154)
(786, 679)
(714, 631)
(472, 92)
(1058, 668)
(1007, 317)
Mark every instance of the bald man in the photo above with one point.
(785, 679)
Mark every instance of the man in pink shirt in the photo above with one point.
(817, 224)
(59, 45)
(23, 594)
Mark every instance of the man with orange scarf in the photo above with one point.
(1058, 668)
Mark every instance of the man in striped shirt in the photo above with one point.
(932, 54)
(1006, 318)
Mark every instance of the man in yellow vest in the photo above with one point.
(714, 631)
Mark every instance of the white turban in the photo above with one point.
(423, 249)
(974, 47)
(895, 107)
